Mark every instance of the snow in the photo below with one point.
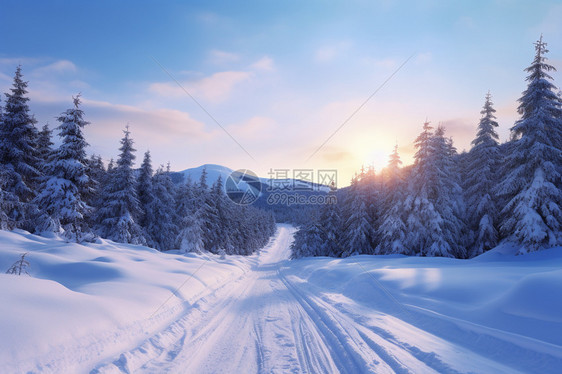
(113, 308)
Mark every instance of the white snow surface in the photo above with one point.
(114, 308)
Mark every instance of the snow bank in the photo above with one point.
(85, 303)
(499, 305)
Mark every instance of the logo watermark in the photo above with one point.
(243, 187)
(302, 180)
(283, 187)
(284, 198)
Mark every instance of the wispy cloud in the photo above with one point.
(219, 57)
(265, 64)
(337, 155)
(256, 128)
(57, 67)
(215, 88)
(160, 125)
(330, 52)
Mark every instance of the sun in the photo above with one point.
(376, 158)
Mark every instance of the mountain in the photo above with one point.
(213, 172)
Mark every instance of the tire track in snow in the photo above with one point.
(352, 361)
(265, 323)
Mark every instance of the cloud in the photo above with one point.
(219, 57)
(160, 125)
(57, 67)
(215, 88)
(337, 155)
(330, 52)
(265, 63)
(49, 81)
(256, 128)
(12, 62)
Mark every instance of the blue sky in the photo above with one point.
(280, 76)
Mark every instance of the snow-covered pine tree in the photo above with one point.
(532, 217)
(190, 237)
(212, 225)
(482, 164)
(4, 207)
(203, 180)
(160, 212)
(224, 217)
(145, 190)
(358, 228)
(392, 230)
(110, 165)
(44, 144)
(119, 212)
(96, 172)
(66, 181)
(424, 224)
(190, 233)
(186, 202)
(370, 188)
(308, 241)
(8, 201)
(448, 199)
(18, 152)
(330, 222)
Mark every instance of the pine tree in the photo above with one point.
(432, 208)
(210, 218)
(448, 199)
(393, 169)
(118, 215)
(330, 222)
(483, 162)
(160, 215)
(186, 202)
(8, 202)
(358, 228)
(532, 216)
(203, 180)
(308, 241)
(62, 192)
(145, 189)
(190, 237)
(369, 187)
(18, 151)
(392, 230)
(97, 174)
(44, 144)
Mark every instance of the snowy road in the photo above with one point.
(270, 321)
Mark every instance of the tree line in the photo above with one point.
(62, 190)
(457, 205)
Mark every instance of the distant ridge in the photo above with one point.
(214, 171)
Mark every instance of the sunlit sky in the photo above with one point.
(279, 76)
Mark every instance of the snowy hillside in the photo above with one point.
(111, 308)
(213, 173)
